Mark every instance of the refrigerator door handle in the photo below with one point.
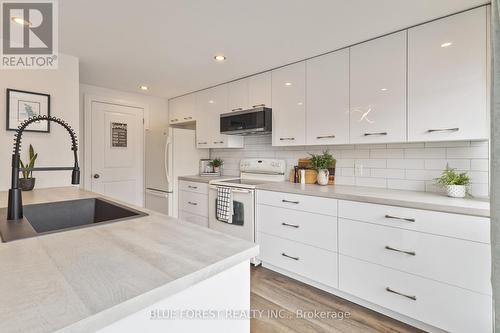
(168, 142)
(157, 193)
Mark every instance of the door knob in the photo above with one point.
(96, 176)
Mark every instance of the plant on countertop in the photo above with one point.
(456, 183)
(321, 163)
(27, 182)
(216, 162)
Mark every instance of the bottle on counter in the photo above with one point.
(296, 174)
(302, 176)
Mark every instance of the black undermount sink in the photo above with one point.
(63, 215)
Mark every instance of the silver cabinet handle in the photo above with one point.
(188, 118)
(414, 298)
(287, 139)
(202, 143)
(399, 218)
(376, 133)
(390, 248)
(290, 225)
(192, 203)
(216, 142)
(286, 255)
(173, 120)
(193, 187)
(255, 106)
(453, 129)
(326, 137)
(288, 201)
(237, 109)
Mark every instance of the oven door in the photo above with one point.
(243, 216)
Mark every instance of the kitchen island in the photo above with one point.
(125, 276)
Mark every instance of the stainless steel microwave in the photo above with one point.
(256, 121)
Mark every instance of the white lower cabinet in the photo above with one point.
(193, 202)
(421, 265)
(438, 304)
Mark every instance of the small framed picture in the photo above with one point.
(24, 104)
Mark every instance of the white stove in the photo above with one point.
(252, 173)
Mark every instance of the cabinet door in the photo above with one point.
(327, 114)
(289, 105)
(447, 78)
(259, 90)
(182, 109)
(378, 90)
(204, 123)
(238, 95)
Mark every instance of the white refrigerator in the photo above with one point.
(170, 153)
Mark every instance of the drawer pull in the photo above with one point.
(193, 187)
(286, 255)
(399, 218)
(377, 133)
(288, 201)
(326, 137)
(202, 143)
(192, 203)
(174, 120)
(188, 118)
(390, 248)
(287, 139)
(216, 142)
(290, 225)
(454, 129)
(414, 298)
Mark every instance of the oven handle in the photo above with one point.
(234, 189)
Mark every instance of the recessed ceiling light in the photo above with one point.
(288, 84)
(144, 87)
(446, 44)
(383, 89)
(211, 102)
(220, 57)
(300, 103)
(21, 21)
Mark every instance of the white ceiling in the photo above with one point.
(168, 45)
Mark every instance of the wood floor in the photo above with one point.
(273, 293)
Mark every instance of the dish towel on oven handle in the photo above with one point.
(224, 209)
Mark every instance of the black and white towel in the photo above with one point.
(224, 211)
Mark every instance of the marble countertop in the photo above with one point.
(204, 179)
(410, 199)
(85, 279)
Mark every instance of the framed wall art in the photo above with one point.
(24, 104)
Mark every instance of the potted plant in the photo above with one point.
(455, 183)
(321, 163)
(216, 163)
(27, 182)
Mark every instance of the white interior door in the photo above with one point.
(117, 152)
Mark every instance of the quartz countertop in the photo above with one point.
(410, 199)
(85, 279)
(205, 179)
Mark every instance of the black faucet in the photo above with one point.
(15, 209)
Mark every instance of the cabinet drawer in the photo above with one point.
(306, 203)
(304, 227)
(193, 187)
(194, 203)
(453, 225)
(450, 308)
(458, 262)
(313, 263)
(192, 218)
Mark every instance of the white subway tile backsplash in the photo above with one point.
(405, 166)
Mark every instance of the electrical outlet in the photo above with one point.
(358, 169)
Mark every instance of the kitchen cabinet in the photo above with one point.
(193, 202)
(238, 95)
(327, 114)
(182, 109)
(259, 90)
(447, 78)
(378, 90)
(210, 103)
(289, 105)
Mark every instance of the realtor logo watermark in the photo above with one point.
(29, 34)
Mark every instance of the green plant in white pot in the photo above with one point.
(455, 183)
(321, 163)
(216, 164)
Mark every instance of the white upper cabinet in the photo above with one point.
(289, 105)
(182, 109)
(447, 78)
(259, 90)
(238, 95)
(327, 114)
(378, 90)
(210, 103)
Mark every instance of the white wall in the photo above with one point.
(54, 148)
(404, 166)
